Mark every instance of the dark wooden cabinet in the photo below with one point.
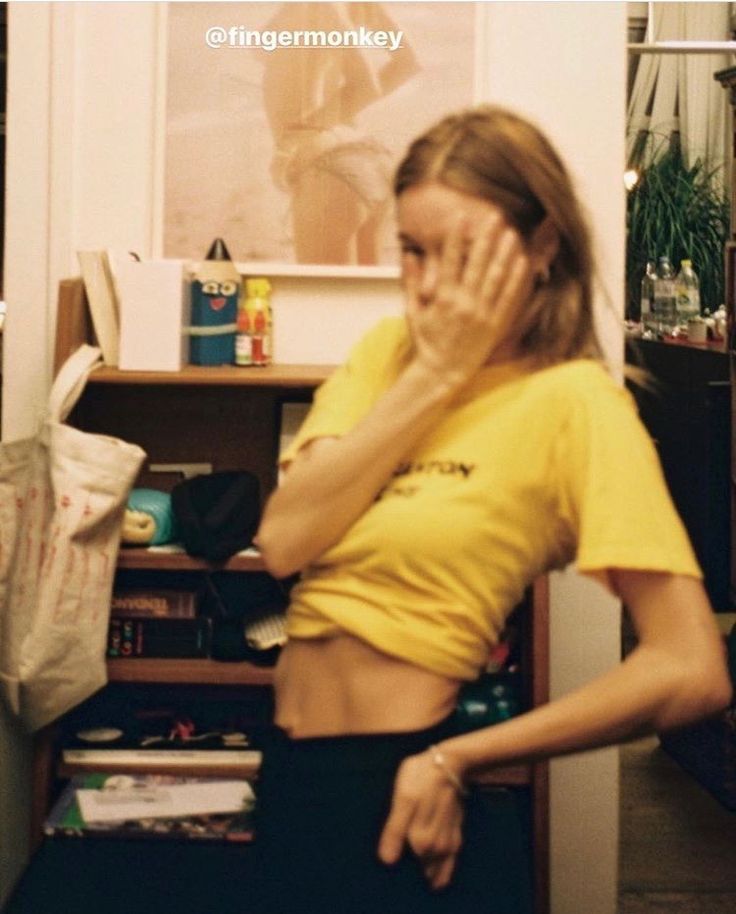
(687, 411)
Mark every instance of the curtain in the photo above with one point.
(677, 92)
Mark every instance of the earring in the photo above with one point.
(542, 277)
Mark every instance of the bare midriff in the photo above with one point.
(340, 685)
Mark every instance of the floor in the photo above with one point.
(678, 844)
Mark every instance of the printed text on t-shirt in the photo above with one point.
(443, 467)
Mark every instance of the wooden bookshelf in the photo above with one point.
(160, 560)
(517, 776)
(187, 672)
(68, 770)
(510, 776)
(285, 376)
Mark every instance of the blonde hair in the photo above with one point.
(496, 155)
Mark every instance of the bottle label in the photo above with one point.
(688, 301)
(258, 354)
(243, 349)
(261, 328)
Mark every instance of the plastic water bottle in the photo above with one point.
(665, 297)
(647, 313)
(688, 292)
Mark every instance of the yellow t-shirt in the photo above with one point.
(526, 471)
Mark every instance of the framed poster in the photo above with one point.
(285, 122)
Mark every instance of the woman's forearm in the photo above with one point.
(330, 486)
(460, 312)
(648, 692)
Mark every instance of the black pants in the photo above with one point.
(322, 804)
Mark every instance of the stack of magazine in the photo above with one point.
(158, 765)
(153, 806)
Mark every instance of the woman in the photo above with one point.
(338, 178)
(458, 454)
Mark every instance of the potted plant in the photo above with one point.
(680, 211)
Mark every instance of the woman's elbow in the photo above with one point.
(278, 558)
(703, 693)
(716, 680)
(717, 691)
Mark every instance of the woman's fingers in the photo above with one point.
(497, 266)
(411, 279)
(393, 836)
(453, 254)
(434, 834)
(516, 286)
(438, 872)
(438, 843)
(470, 297)
(425, 819)
(482, 250)
(508, 316)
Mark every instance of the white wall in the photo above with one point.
(27, 204)
(84, 81)
(564, 65)
(84, 169)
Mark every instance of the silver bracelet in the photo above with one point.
(439, 761)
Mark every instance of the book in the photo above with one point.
(144, 637)
(103, 305)
(142, 806)
(132, 759)
(150, 603)
(123, 797)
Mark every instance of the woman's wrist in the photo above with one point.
(442, 384)
(451, 771)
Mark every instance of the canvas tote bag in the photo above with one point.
(62, 498)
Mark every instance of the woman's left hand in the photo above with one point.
(427, 815)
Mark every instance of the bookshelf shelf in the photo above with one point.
(68, 770)
(155, 560)
(187, 672)
(517, 776)
(511, 776)
(286, 376)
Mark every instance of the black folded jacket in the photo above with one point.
(217, 514)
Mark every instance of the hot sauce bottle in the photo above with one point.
(260, 320)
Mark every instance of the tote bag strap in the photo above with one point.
(70, 381)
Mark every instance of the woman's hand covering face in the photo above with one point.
(466, 282)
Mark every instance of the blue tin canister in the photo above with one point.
(215, 292)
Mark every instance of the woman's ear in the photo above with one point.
(544, 244)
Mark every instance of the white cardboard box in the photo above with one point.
(154, 308)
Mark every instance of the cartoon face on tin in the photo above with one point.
(215, 294)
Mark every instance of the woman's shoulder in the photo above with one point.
(586, 384)
(387, 331)
(383, 343)
(583, 377)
